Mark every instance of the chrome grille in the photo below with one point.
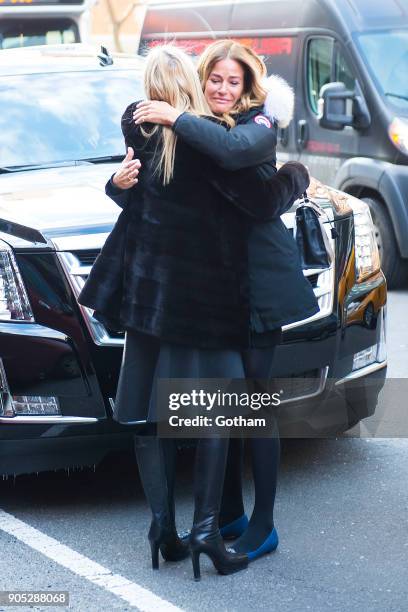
(77, 274)
(304, 385)
(87, 256)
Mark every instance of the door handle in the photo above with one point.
(302, 133)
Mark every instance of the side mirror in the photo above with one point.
(339, 107)
(334, 101)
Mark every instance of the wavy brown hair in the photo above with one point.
(254, 93)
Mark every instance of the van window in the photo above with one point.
(386, 54)
(342, 72)
(319, 63)
(377, 8)
(326, 64)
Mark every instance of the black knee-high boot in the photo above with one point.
(158, 486)
(205, 536)
(232, 518)
(170, 454)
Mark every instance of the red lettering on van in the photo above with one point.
(263, 46)
(195, 46)
(315, 146)
(269, 46)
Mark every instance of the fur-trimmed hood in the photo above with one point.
(280, 100)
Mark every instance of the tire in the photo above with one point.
(395, 269)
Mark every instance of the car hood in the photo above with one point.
(44, 205)
(67, 206)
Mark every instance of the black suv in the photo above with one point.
(60, 141)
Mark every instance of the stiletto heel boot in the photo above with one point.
(162, 533)
(155, 547)
(195, 557)
(205, 536)
(233, 530)
(206, 539)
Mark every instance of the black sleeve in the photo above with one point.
(264, 199)
(243, 146)
(121, 197)
(133, 138)
(132, 132)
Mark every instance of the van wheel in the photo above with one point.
(394, 268)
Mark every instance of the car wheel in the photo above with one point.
(394, 268)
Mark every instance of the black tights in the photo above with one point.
(265, 454)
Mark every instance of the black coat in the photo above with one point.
(279, 292)
(176, 262)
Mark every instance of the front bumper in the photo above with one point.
(333, 399)
(40, 361)
(38, 454)
(341, 405)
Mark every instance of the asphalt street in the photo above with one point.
(341, 514)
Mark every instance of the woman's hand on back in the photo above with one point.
(126, 175)
(153, 111)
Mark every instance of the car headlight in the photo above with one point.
(366, 250)
(398, 132)
(14, 303)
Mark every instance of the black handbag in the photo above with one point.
(311, 238)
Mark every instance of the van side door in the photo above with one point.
(323, 150)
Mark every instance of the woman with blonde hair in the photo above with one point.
(173, 273)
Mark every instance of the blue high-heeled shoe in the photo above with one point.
(270, 544)
(267, 546)
(234, 529)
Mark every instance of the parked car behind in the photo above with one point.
(61, 140)
(348, 63)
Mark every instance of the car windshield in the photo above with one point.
(386, 53)
(58, 117)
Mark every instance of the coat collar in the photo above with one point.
(280, 100)
(279, 103)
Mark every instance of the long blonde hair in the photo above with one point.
(171, 76)
(254, 93)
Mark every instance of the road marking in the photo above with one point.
(134, 594)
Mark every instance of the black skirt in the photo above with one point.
(147, 359)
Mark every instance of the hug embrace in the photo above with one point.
(202, 274)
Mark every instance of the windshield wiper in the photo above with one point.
(77, 162)
(393, 95)
(6, 169)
